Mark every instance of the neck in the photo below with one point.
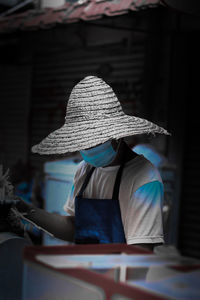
(124, 154)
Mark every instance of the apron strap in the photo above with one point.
(85, 183)
(115, 195)
(116, 185)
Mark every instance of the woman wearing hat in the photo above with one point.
(117, 194)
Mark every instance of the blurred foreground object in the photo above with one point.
(9, 221)
(11, 267)
(105, 271)
(6, 188)
(12, 242)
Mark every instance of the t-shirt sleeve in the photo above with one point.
(143, 223)
(69, 206)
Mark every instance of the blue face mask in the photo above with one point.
(99, 156)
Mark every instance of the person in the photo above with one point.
(117, 194)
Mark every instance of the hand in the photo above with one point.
(9, 220)
(22, 206)
(15, 223)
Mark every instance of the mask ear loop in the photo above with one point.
(118, 146)
(117, 149)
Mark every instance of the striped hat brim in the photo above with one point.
(75, 137)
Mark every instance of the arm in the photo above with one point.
(144, 217)
(61, 227)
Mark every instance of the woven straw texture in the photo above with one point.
(94, 115)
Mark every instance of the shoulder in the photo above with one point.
(82, 169)
(142, 171)
(82, 166)
(150, 171)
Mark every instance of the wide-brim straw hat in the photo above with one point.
(94, 115)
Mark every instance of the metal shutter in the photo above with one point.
(189, 229)
(14, 114)
(189, 234)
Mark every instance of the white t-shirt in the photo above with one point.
(140, 197)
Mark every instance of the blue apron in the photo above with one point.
(99, 220)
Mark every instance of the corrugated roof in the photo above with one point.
(71, 12)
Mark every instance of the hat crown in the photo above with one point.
(92, 98)
(94, 116)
